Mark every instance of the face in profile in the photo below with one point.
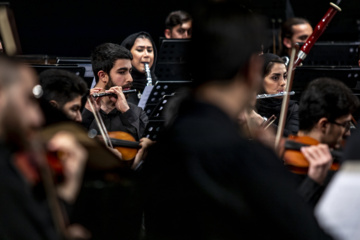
(300, 33)
(275, 81)
(143, 52)
(180, 31)
(72, 109)
(337, 131)
(23, 115)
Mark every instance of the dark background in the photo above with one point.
(74, 27)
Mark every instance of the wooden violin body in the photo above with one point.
(296, 161)
(125, 143)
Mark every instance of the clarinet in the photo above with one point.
(148, 75)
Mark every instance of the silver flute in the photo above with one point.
(148, 75)
(280, 94)
(95, 95)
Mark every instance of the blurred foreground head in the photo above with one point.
(226, 35)
(20, 113)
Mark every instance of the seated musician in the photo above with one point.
(275, 77)
(203, 180)
(143, 49)
(24, 206)
(112, 68)
(63, 90)
(294, 30)
(325, 112)
(178, 25)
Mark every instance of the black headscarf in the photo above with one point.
(139, 78)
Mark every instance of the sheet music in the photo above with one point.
(145, 96)
(338, 211)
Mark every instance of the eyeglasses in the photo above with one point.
(345, 125)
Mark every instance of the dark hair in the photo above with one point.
(325, 97)
(269, 60)
(286, 28)
(104, 57)
(61, 86)
(225, 36)
(176, 18)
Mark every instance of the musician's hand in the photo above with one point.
(116, 152)
(120, 102)
(141, 154)
(97, 100)
(320, 161)
(255, 118)
(73, 158)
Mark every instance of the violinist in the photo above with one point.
(325, 115)
(24, 207)
(112, 68)
(275, 76)
(63, 90)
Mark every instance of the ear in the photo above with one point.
(54, 103)
(287, 42)
(167, 33)
(103, 77)
(322, 124)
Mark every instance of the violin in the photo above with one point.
(125, 143)
(121, 141)
(296, 161)
(28, 165)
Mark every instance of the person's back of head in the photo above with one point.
(225, 37)
(61, 86)
(62, 90)
(325, 98)
(105, 55)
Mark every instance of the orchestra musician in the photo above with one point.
(143, 49)
(275, 77)
(24, 203)
(294, 30)
(63, 90)
(112, 68)
(202, 180)
(325, 113)
(178, 25)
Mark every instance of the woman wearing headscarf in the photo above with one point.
(275, 74)
(143, 49)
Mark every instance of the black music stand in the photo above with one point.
(172, 62)
(81, 62)
(80, 71)
(159, 97)
(333, 54)
(160, 89)
(304, 75)
(156, 119)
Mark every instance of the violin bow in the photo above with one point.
(286, 98)
(100, 123)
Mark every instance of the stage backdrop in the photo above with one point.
(74, 27)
